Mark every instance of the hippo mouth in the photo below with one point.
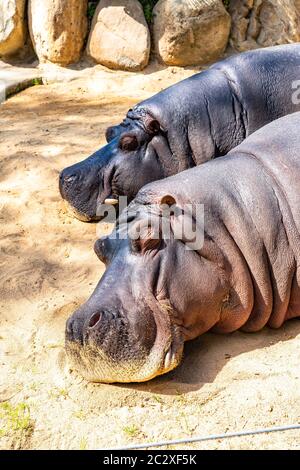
(87, 184)
(94, 208)
(95, 366)
(86, 210)
(101, 354)
(72, 211)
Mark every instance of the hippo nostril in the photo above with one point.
(69, 326)
(65, 181)
(95, 318)
(69, 178)
(70, 333)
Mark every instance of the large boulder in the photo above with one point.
(58, 29)
(12, 26)
(190, 32)
(262, 23)
(119, 37)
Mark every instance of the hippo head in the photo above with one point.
(136, 153)
(154, 295)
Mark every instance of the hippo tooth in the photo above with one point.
(168, 358)
(111, 201)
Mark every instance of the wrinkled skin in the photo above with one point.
(187, 124)
(156, 294)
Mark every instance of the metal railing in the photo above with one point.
(148, 445)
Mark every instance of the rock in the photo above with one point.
(190, 32)
(119, 37)
(262, 23)
(58, 29)
(12, 26)
(16, 78)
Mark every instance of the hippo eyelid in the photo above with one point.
(128, 142)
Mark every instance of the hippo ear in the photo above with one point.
(169, 209)
(112, 132)
(174, 214)
(152, 125)
(186, 221)
(167, 200)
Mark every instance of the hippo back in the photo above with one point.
(210, 113)
(263, 81)
(277, 148)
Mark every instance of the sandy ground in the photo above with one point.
(48, 267)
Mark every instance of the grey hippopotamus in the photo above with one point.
(156, 294)
(199, 118)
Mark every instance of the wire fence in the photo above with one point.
(212, 437)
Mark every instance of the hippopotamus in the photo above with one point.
(187, 124)
(157, 292)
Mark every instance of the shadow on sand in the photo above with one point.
(206, 356)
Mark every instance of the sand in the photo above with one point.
(48, 267)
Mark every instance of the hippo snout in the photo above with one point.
(111, 344)
(83, 184)
(98, 327)
(79, 185)
(74, 329)
(66, 180)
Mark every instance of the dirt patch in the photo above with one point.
(48, 267)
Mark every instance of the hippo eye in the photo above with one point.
(128, 142)
(142, 245)
(152, 125)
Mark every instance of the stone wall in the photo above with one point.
(261, 23)
(122, 34)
